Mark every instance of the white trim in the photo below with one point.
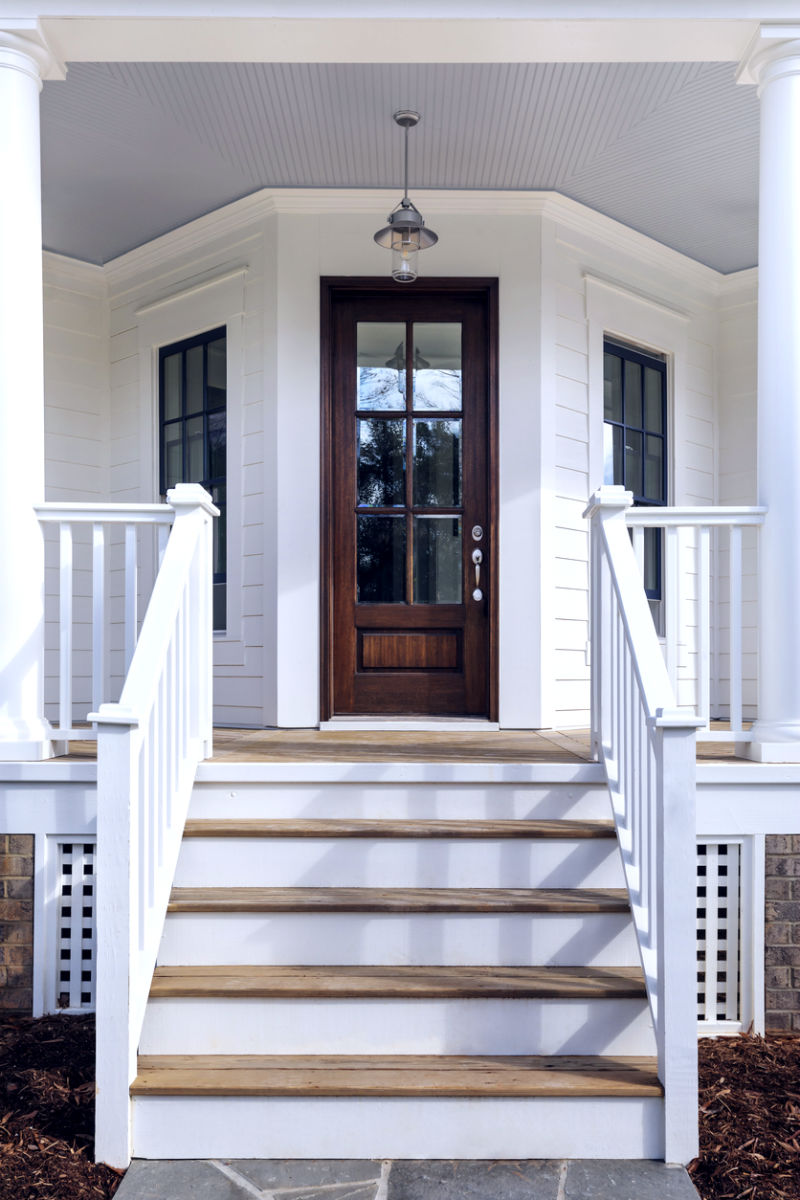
(633, 294)
(192, 290)
(403, 772)
(74, 275)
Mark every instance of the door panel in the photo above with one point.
(409, 457)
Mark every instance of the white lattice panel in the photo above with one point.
(75, 936)
(718, 931)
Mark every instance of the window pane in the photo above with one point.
(381, 560)
(437, 366)
(381, 462)
(654, 469)
(220, 606)
(217, 381)
(217, 435)
(653, 401)
(194, 379)
(380, 365)
(220, 539)
(633, 462)
(633, 394)
(173, 455)
(195, 468)
(437, 462)
(437, 560)
(171, 398)
(612, 387)
(652, 561)
(612, 454)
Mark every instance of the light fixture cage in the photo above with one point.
(405, 234)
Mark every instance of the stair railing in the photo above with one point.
(648, 748)
(148, 748)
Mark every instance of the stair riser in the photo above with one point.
(426, 939)
(369, 862)
(363, 1127)
(388, 1026)
(400, 799)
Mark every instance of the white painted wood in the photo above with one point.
(98, 614)
(65, 623)
(735, 576)
(131, 594)
(240, 1127)
(426, 939)
(298, 1026)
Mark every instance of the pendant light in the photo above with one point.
(405, 235)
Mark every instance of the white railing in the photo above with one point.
(648, 748)
(148, 748)
(698, 587)
(89, 538)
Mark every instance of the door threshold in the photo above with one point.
(412, 724)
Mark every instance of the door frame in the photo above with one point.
(333, 288)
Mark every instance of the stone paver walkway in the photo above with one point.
(314, 1179)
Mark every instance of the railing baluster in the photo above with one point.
(736, 628)
(131, 594)
(704, 624)
(65, 621)
(672, 604)
(98, 614)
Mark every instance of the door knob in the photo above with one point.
(477, 558)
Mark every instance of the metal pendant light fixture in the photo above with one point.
(405, 235)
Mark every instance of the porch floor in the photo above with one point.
(492, 746)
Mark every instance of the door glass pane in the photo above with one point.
(194, 379)
(633, 462)
(437, 560)
(437, 462)
(653, 469)
(195, 471)
(173, 455)
(653, 406)
(172, 386)
(437, 366)
(612, 388)
(633, 394)
(380, 365)
(612, 453)
(381, 462)
(217, 382)
(381, 560)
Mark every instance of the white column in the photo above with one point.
(774, 65)
(24, 733)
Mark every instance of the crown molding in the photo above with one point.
(183, 293)
(740, 284)
(73, 275)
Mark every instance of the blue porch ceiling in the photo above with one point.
(132, 150)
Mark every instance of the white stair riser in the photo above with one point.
(218, 1025)
(364, 1127)
(427, 939)
(389, 862)
(402, 800)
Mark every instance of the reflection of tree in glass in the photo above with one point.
(437, 462)
(437, 389)
(381, 462)
(380, 577)
(381, 388)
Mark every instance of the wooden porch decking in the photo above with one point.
(315, 745)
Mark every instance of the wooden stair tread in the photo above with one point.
(410, 982)
(400, 900)
(396, 1075)
(386, 828)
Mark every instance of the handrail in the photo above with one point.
(148, 748)
(693, 544)
(648, 748)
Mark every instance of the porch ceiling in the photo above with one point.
(131, 150)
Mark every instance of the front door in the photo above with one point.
(410, 538)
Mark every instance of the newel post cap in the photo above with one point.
(191, 495)
(610, 498)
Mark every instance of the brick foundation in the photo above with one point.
(782, 933)
(16, 923)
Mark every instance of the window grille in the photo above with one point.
(75, 972)
(718, 932)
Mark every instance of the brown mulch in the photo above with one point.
(47, 1111)
(749, 1119)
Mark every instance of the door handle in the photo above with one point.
(477, 558)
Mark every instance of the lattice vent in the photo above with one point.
(76, 897)
(718, 931)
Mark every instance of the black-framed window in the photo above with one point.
(635, 441)
(192, 391)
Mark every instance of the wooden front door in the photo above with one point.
(409, 543)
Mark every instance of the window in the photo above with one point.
(635, 442)
(192, 392)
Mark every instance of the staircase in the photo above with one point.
(398, 961)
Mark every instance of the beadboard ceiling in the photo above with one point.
(132, 150)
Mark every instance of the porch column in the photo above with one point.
(774, 65)
(24, 734)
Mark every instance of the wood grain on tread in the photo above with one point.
(410, 982)
(396, 1075)
(338, 828)
(399, 900)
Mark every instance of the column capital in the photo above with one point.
(23, 47)
(773, 51)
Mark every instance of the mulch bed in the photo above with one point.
(749, 1115)
(749, 1119)
(47, 1111)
